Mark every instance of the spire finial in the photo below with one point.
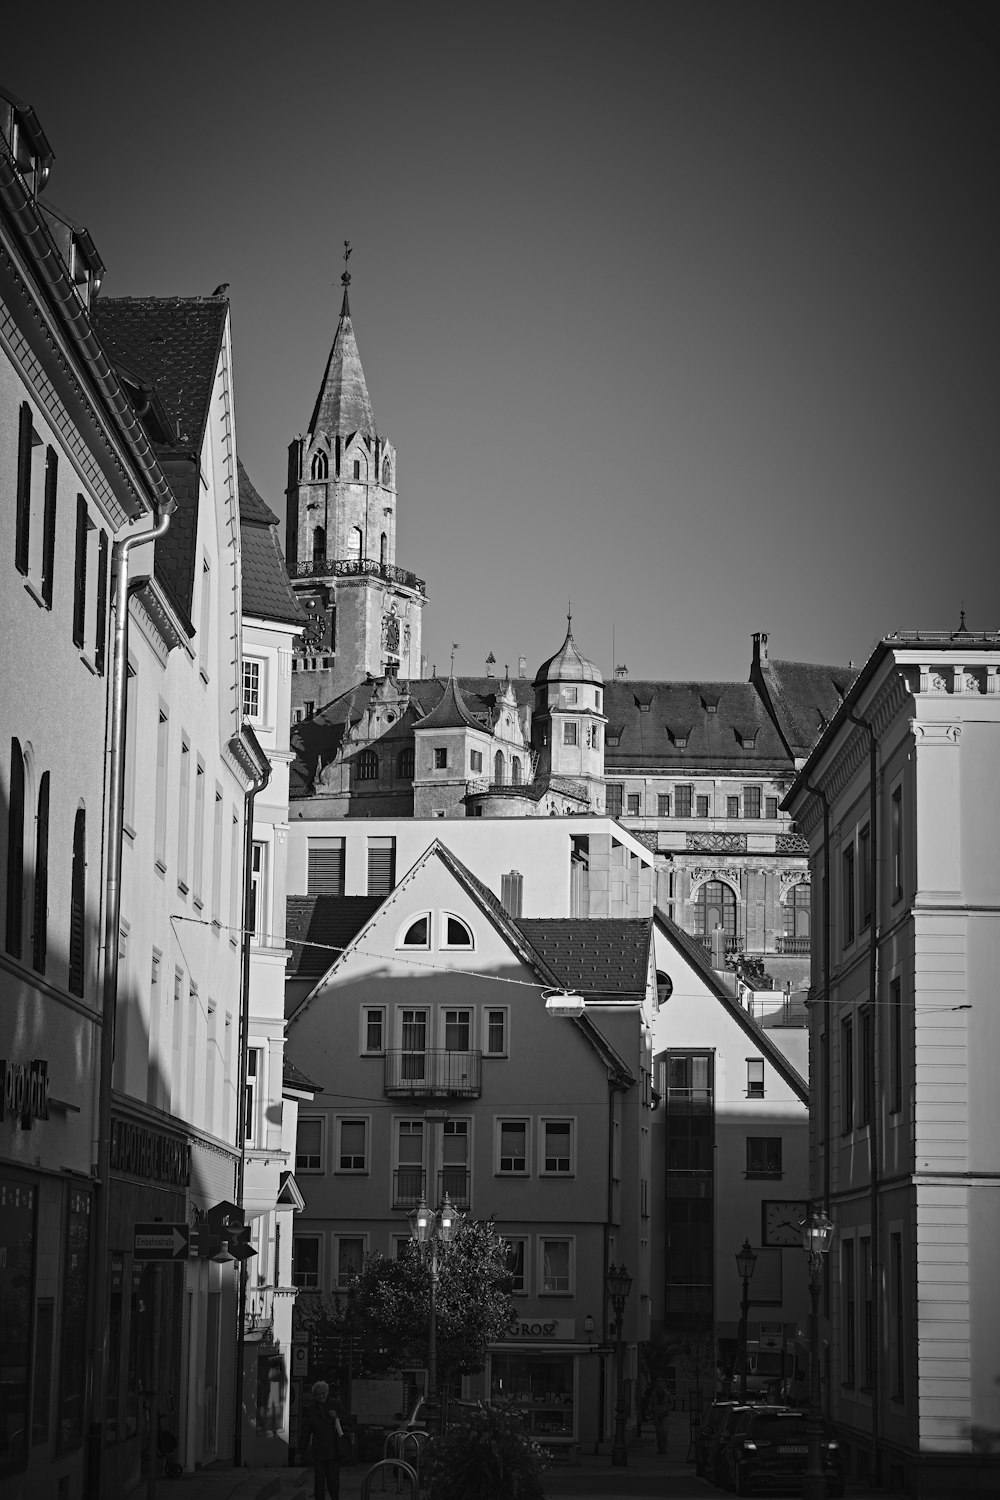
(454, 648)
(569, 617)
(345, 307)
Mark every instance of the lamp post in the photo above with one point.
(433, 1228)
(745, 1262)
(817, 1237)
(619, 1284)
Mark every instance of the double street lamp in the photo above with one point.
(430, 1227)
(817, 1237)
(619, 1284)
(745, 1263)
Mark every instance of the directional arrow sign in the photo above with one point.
(161, 1241)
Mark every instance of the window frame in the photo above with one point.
(341, 1280)
(258, 689)
(440, 757)
(762, 1146)
(571, 734)
(683, 800)
(544, 1170)
(368, 1013)
(504, 1012)
(848, 894)
(569, 1240)
(409, 923)
(752, 799)
(521, 1122)
(302, 1285)
(663, 804)
(353, 1170)
(847, 1089)
(301, 1165)
(447, 943)
(524, 1241)
(755, 1078)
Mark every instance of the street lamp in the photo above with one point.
(817, 1237)
(433, 1228)
(619, 1284)
(745, 1262)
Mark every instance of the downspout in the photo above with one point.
(827, 937)
(112, 918)
(241, 1311)
(875, 1101)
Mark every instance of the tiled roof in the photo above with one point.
(318, 928)
(450, 711)
(595, 955)
(267, 592)
(804, 698)
(689, 725)
(172, 344)
(294, 1078)
(343, 405)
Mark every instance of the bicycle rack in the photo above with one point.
(400, 1467)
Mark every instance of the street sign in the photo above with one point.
(162, 1241)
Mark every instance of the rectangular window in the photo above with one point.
(770, 807)
(634, 804)
(183, 814)
(326, 867)
(253, 1097)
(349, 1252)
(849, 1330)
(755, 1078)
(517, 1262)
(763, 1156)
(309, 1145)
(594, 737)
(198, 873)
(260, 927)
(556, 1266)
(352, 1145)
(101, 604)
(154, 1076)
(701, 807)
(252, 683)
(895, 1046)
(381, 866)
(162, 763)
(570, 732)
(867, 1313)
(896, 833)
(410, 1185)
(457, 1030)
(80, 574)
(475, 760)
(26, 441)
(513, 1147)
(131, 749)
(732, 807)
(682, 801)
(557, 1146)
(373, 1029)
(751, 801)
(867, 1100)
(864, 875)
(496, 1033)
(613, 798)
(897, 1314)
(440, 757)
(512, 892)
(305, 1262)
(455, 1162)
(848, 894)
(846, 1076)
(663, 804)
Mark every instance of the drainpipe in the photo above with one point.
(827, 936)
(875, 1101)
(112, 919)
(241, 1312)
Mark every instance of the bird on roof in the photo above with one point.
(221, 290)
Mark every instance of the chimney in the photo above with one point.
(718, 948)
(621, 673)
(522, 666)
(759, 647)
(491, 662)
(423, 667)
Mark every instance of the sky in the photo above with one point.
(687, 313)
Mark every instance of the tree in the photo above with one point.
(388, 1302)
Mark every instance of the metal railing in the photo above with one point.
(409, 1185)
(365, 567)
(415, 1074)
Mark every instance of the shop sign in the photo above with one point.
(24, 1091)
(542, 1328)
(143, 1152)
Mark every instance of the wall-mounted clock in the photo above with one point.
(782, 1221)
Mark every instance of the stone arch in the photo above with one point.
(320, 466)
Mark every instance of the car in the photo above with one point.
(706, 1434)
(768, 1449)
(715, 1456)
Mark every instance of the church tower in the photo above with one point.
(364, 611)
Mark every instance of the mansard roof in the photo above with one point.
(343, 405)
(689, 726)
(267, 593)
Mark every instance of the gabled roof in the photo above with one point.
(343, 405)
(695, 954)
(266, 590)
(294, 1079)
(450, 712)
(594, 955)
(318, 928)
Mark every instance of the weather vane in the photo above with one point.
(454, 648)
(346, 278)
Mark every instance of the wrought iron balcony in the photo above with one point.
(422, 1075)
(793, 945)
(409, 1185)
(456, 1182)
(365, 567)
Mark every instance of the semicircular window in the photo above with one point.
(457, 935)
(415, 935)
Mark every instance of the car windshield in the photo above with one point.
(778, 1427)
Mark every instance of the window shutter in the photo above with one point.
(326, 870)
(101, 623)
(381, 866)
(80, 579)
(15, 852)
(49, 526)
(24, 441)
(39, 940)
(77, 911)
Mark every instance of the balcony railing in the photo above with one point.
(421, 1075)
(367, 567)
(793, 945)
(456, 1182)
(409, 1185)
(733, 944)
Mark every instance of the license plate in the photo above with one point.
(793, 1448)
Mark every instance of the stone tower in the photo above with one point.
(568, 721)
(364, 611)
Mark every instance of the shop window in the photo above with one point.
(18, 1249)
(73, 1330)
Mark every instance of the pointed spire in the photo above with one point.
(343, 405)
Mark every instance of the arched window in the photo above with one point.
(797, 910)
(416, 935)
(320, 466)
(39, 935)
(383, 549)
(367, 764)
(515, 770)
(386, 473)
(354, 543)
(404, 765)
(78, 906)
(319, 544)
(457, 935)
(715, 906)
(664, 988)
(498, 767)
(15, 853)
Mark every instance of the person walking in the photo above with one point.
(659, 1406)
(321, 1436)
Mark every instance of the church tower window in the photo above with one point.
(354, 544)
(515, 770)
(357, 468)
(386, 473)
(320, 466)
(383, 549)
(319, 544)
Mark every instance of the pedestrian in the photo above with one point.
(321, 1437)
(659, 1405)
